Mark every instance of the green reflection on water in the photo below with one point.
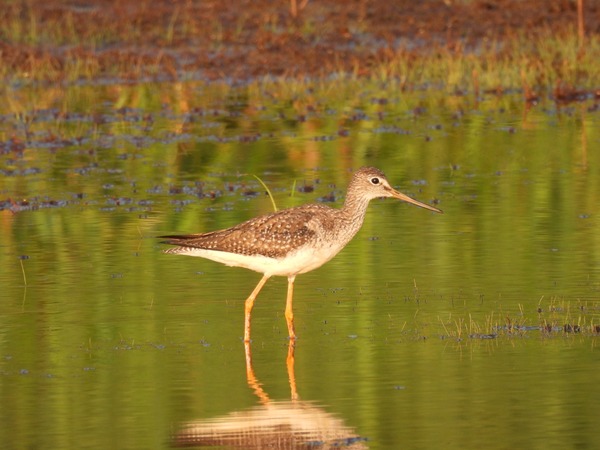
(113, 343)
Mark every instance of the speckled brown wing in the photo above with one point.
(273, 235)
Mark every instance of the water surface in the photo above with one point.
(473, 328)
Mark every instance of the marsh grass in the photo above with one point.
(141, 45)
(553, 318)
(269, 193)
(509, 64)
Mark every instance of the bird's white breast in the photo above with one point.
(299, 261)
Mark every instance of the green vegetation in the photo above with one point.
(557, 317)
(139, 42)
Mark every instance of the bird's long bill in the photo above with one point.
(412, 201)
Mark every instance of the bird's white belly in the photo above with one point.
(300, 261)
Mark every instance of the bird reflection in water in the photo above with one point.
(291, 424)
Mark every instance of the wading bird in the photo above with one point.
(291, 241)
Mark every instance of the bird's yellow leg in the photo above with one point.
(249, 304)
(289, 314)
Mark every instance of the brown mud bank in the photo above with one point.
(242, 40)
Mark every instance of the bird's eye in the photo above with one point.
(375, 180)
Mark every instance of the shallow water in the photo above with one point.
(473, 328)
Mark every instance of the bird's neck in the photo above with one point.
(354, 210)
